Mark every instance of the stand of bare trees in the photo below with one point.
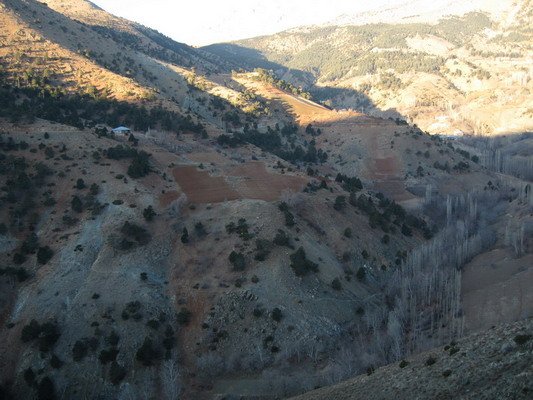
(519, 166)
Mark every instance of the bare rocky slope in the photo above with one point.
(244, 240)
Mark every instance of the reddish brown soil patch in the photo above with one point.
(166, 198)
(248, 181)
(385, 167)
(258, 183)
(394, 189)
(200, 187)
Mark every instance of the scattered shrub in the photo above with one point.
(29, 376)
(403, 364)
(76, 204)
(20, 273)
(94, 189)
(361, 274)
(135, 232)
(522, 339)
(113, 339)
(153, 323)
(262, 248)
(454, 350)
(107, 356)
(47, 334)
(56, 362)
(149, 213)
(277, 315)
(46, 389)
(289, 218)
(200, 229)
(340, 203)
(147, 353)
(282, 239)
(185, 236)
(184, 316)
(336, 284)
(238, 261)
(300, 264)
(80, 350)
(80, 184)
(430, 361)
(241, 228)
(132, 309)
(44, 254)
(140, 165)
(116, 373)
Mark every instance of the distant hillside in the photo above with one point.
(465, 73)
(411, 11)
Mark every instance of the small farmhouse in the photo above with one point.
(121, 130)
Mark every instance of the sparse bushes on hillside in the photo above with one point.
(148, 354)
(116, 373)
(289, 217)
(133, 235)
(241, 228)
(273, 143)
(300, 264)
(47, 334)
(46, 389)
(430, 361)
(184, 316)
(20, 273)
(336, 284)
(340, 203)
(44, 254)
(199, 229)
(80, 350)
(133, 310)
(149, 213)
(52, 103)
(185, 236)
(522, 339)
(361, 274)
(268, 76)
(282, 239)
(276, 314)
(140, 165)
(237, 260)
(262, 248)
(76, 204)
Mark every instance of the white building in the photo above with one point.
(121, 130)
